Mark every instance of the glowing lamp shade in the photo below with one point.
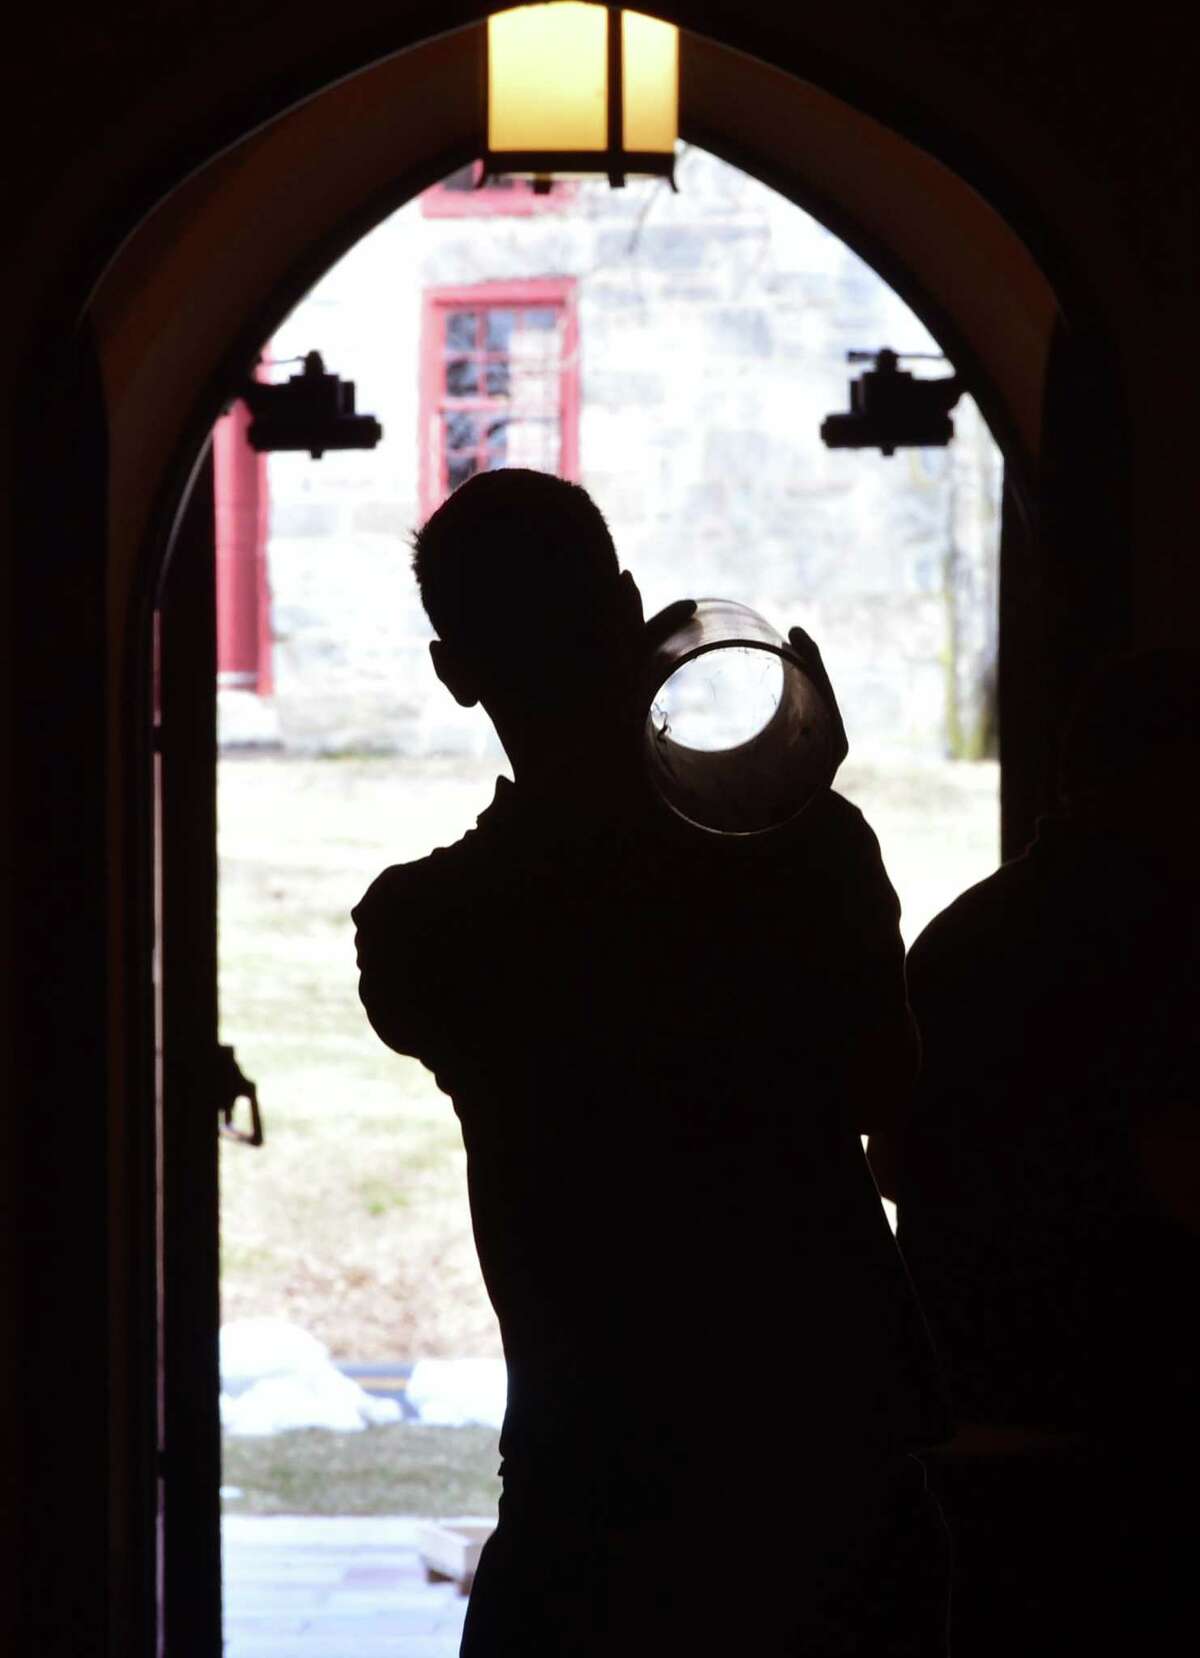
(575, 88)
(548, 79)
(650, 57)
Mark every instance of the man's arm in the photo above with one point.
(888, 1132)
(883, 1051)
(883, 1156)
(883, 1074)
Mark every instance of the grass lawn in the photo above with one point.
(352, 1220)
(406, 1468)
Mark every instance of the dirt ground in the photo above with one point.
(352, 1219)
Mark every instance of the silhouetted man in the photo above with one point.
(662, 1047)
(1049, 1188)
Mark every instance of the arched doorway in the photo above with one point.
(169, 364)
(708, 334)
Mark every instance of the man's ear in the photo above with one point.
(454, 674)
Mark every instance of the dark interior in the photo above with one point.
(179, 176)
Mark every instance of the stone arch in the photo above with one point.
(181, 309)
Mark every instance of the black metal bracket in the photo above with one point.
(891, 409)
(313, 410)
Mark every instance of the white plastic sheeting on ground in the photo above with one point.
(275, 1376)
(455, 1392)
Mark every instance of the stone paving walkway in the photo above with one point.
(333, 1588)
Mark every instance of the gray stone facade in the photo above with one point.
(713, 327)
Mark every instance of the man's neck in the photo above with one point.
(573, 768)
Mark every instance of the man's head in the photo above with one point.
(1131, 748)
(519, 577)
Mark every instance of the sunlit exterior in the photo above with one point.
(676, 354)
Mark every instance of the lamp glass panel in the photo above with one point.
(651, 79)
(548, 78)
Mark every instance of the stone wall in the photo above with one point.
(713, 327)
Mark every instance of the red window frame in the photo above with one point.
(514, 197)
(559, 292)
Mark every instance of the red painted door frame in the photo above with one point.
(243, 588)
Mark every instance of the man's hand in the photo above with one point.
(809, 656)
(661, 626)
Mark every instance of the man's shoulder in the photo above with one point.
(824, 873)
(843, 817)
(840, 846)
(435, 879)
(1002, 944)
(1005, 910)
(964, 915)
(427, 884)
(403, 886)
(829, 830)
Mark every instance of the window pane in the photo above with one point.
(459, 468)
(535, 392)
(462, 330)
(534, 443)
(499, 327)
(496, 378)
(540, 316)
(460, 429)
(497, 444)
(462, 377)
